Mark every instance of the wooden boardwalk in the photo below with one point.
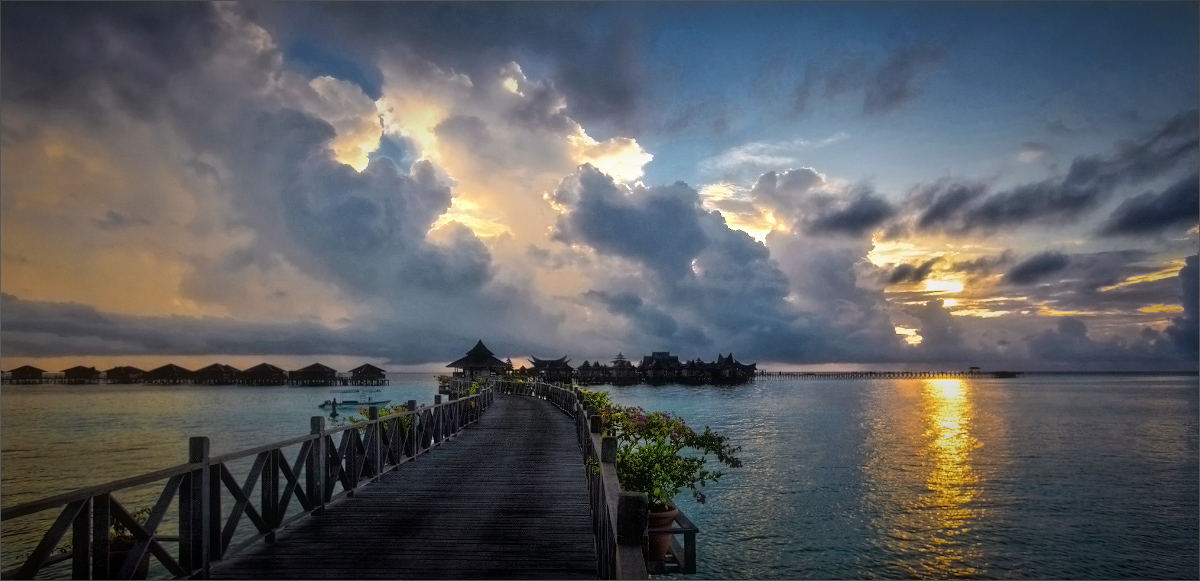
(507, 498)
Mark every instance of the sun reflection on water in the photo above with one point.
(924, 481)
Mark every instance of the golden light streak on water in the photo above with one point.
(952, 484)
(922, 480)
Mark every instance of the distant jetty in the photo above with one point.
(973, 372)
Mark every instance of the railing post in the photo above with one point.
(632, 522)
(314, 476)
(81, 542)
(101, 515)
(270, 495)
(597, 424)
(375, 447)
(193, 511)
(608, 449)
(411, 406)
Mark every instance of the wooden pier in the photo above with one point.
(444, 491)
(508, 500)
(767, 375)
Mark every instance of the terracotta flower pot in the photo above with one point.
(660, 543)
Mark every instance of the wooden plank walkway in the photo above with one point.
(505, 499)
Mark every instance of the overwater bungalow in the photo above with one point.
(123, 374)
(263, 374)
(217, 374)
(313, 375)
(169, 374)
(26, 374)
(660, 367)
(368, 374)
(479, 362)
(80, 375)
(622, 371)
(553, 370)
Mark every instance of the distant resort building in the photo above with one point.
(25, 374)
(264, 374)
(217, 374)
(660, 367)
(313, 375)
(123, 374)
(368, 374)
(169, 374)
(80, 375)
(479, 362)
(553, 370)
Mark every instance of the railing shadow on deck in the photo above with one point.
(346, 456)
(618, 518)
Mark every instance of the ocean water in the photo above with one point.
(1045, 476)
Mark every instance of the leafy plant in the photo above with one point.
(120, 538)
(660, 455)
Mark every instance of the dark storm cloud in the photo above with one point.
(704, 283)
(1037, 267)
(910, 273)
(1090, 180)
(894, 85)
(657, 226)
(984, 265)
(593, 59)
(86, 54)
(855, 217)
(1185, 330)
(1151, 213)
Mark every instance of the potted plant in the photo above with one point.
(660, 455)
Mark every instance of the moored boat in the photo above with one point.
(354, 398)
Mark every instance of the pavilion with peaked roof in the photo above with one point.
(552, 370)
(26, 374)
(169, 374)
(367, 374)
(479, 361)
(123, 374)
(264, 374)
(313, 375)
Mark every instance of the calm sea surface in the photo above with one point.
(1037, 477)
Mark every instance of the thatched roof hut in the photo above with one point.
(479, 360)
(263, 374)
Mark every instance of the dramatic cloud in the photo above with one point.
(966, 207)
(884, 88)
(1037, 267)
(1150, 213)
(804, 198)
(1185, 330)
(910, 273)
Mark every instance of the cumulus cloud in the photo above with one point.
(1185, 330)
(806, 199)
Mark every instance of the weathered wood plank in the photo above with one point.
(505, 499)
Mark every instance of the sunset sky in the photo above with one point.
(933, 185)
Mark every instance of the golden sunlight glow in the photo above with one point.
(943, 286)
(1162, 309)
(1171, 270)
(415, 119)
(1045, 311)
(754, 222)
(889, 252)
(949, 303)
(620, 157)
(910, 335)
(511, 85)
(466, 212)
(977, 312)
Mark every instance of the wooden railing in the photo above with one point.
(618, 518)
(346, 456)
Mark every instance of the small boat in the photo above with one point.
(354, 398)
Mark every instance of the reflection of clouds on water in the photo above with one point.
(923, 482)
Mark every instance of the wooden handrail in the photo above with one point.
(367, 450)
